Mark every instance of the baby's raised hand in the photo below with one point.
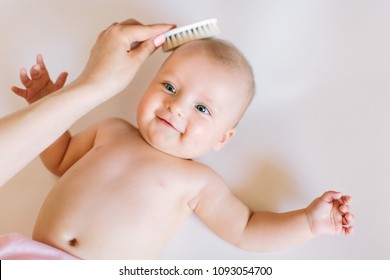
(330, 214)
(40, 84)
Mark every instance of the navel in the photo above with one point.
(73, 242)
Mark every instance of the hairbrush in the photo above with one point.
(181, 35)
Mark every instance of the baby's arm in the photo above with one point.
(233, 221)
(67, 150)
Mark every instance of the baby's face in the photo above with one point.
(191, 107)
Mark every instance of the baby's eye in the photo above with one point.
(170, 88)
(203, 109)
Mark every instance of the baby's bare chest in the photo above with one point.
(133, 171)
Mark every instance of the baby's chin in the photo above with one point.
(175, 148)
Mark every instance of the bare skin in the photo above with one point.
(106, 182)
(124, 191)
(109, 58)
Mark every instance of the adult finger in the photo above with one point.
(142, 33)
(130, 21)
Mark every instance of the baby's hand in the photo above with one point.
(330, 214)
(40, 83)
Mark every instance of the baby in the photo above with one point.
(124, 191)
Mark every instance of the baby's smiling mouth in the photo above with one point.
(168, 124)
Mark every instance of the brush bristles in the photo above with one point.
(196, 31)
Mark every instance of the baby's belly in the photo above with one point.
(109, 222)
(103, 242)
(88, 243)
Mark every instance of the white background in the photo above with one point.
(320, 118)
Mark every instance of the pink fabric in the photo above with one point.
(14, 246)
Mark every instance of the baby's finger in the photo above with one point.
(329, 196)
(349, 218)
(35, 72)
(347, 221)
(60, 82)
(348, 230)
(19, 91)
(24, 78)
(40, 61)
(344, 208)
(346, 199)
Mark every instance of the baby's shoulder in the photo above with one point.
(202, 173)
(208, 184)
(115, 125)
(113, 129)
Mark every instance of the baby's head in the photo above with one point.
(196, 99)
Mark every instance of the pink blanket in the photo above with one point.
(14, 246)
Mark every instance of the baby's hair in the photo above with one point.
(228, 54)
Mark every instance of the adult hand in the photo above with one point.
(119, 52)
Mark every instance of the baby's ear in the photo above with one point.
(226, 137)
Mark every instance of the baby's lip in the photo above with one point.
(168, 123)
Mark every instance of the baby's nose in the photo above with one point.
(176, 108)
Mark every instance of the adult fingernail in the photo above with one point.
(159, 40)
